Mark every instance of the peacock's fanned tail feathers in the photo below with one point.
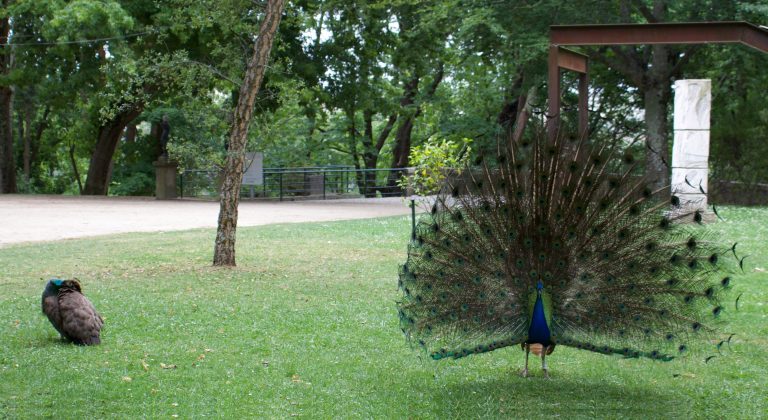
(623, 275)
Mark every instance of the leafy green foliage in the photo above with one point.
(738, 150)
(432, 161)
(88, 19)
(342, 70)
(134, 173)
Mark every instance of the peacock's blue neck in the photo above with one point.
(538, 332)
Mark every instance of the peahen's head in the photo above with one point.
(54, 285)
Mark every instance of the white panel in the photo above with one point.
(690, 149)
(693, 100)
(696, 177)
(690, 202)
(254, 169)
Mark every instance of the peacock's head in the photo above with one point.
(539, 286)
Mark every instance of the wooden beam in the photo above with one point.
(571, 60)
(661, 33)
(631, 34)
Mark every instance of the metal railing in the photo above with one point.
(300, 183)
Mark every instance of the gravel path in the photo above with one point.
(33, 218)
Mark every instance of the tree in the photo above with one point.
(224, 252)
(354, 82)
(420, 56)
(7, 163)
(355, 54)
(653, 68)
(129, 76)
(516, 35)
(61, 50)
(384, 60)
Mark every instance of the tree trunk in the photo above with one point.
(403, 134)
(524, 111)
(352, 141)
(652, 71)
(402, 148)
(34, 146)
(511, 108)
(657, 137)
(657, 92)
(224, 251)
(403, 139)
(370, 155)
(401, 153)
(25, 114)
(20, 117)
(7, 162)
(27, 149)
(97, 181)
(75, 171)
(372, 150)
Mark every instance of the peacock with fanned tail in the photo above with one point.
(560, 242)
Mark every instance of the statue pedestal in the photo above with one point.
(690, 151)
(165, 178)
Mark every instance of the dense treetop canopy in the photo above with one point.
(84, 84)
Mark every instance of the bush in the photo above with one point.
(430, 161)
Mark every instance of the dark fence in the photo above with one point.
(300, 183)
(738, 193)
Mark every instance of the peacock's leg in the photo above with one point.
(524, 372)
(544, 362)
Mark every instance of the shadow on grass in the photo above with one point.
(39, 338)
(570, 397)
(42, 342)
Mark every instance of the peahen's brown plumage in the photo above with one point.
(71, 313)
(561, 242)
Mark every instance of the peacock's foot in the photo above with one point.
(546, 373)
(524, 373)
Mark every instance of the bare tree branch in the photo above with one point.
(675, 71)
(624, 63)
(338, 149)
(215, 71)
(645, 11)
(385, 132)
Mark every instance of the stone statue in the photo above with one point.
(165, 130)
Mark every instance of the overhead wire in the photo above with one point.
(81, 41)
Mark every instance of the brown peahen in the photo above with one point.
(561, 242)
(71, 313)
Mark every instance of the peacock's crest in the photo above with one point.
(617, 272)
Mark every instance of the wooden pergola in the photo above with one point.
(630, 34)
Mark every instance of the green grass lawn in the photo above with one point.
(306, 326)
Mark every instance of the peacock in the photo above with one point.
(71, 313)
(545, 242)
